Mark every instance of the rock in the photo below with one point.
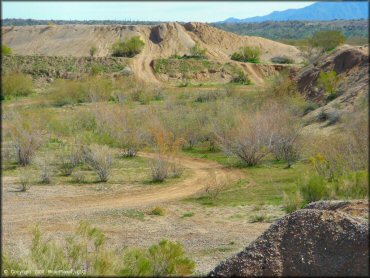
(320, 240)
(126, 71)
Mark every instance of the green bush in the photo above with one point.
(240, 78)
(128, 48)
(328, 81)
(198, 52)
(5, 50)
(313, 188)
(163, 259)
(157, 211)
(16, 85)
(327, 40)
(66, 92)
(282, 60)
(247, 54)
(93, 50)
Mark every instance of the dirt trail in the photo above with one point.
(55, 201)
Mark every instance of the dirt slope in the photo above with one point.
(161, 41)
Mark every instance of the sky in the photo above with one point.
(144, 11)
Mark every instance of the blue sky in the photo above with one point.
(152, 11)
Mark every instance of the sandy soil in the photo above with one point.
(209, 236)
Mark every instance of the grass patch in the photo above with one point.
(187, 214)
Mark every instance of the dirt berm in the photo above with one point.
(324, 239)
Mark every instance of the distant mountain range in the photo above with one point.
(317, 11)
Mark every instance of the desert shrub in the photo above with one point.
(328, 39)
(292, 201)
(328, 81)
(197, 51)
(68, 159)
(159, 168)
(353, 185)
(209, 96)
(16, 85)
(6, 50)
(93, 50)
(124, 127)
(100, 159)
(214, 187)
(310, 106)
(96, 69)
(338, 154)
(78, 177)
(285, 138)
(97, 88)
(157, 211)
(26, 138)
(45, 171)
(247, 54)
(64, 92)
(163, 259)
(24, 181)
(259, 217)
(249, 140)
(281, 85)
(240, 78)
(128, 48)
(313, 188)
(282, 60)
(175, 170)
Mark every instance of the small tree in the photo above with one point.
(247, 54)
(327, 40)
(128, 48)
(328, 81)
(93, 50)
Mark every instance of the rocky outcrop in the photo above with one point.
(320, 240)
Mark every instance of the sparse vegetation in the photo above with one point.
(282, 60)
(159, 211)
(16, 85)
(93, 50)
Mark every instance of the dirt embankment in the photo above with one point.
(351, 64)
(161, 41)
(325, 239)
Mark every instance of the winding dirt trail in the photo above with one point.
(64, 200)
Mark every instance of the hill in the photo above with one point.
(317, 11)
(288, 30)
(161, 41)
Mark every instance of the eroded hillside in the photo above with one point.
(161, 41)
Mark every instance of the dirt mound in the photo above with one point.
(349, 62)
(321, 240)
(161, 41)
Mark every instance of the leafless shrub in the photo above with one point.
(45, 171)
(215, 186)
(159, 169)
(100, 159)
(68, 160)
(26, 139)
(78, 177)
(24, 181)
(175, 169)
